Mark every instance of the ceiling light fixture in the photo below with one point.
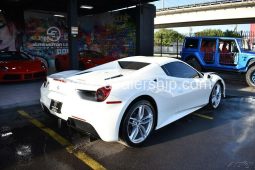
(0, 10)
(123, 8)
(58, 15)
(86, 7)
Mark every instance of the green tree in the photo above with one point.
(167, 36)
(229, 33)
(210, 33)
(217, 33)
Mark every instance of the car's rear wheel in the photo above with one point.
(194, 63)
(216, 96)
(138, 123)
(250, 76)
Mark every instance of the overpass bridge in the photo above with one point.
(210, 13)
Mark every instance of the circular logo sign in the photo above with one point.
(53, 34)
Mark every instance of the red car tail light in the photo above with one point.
(102, 93)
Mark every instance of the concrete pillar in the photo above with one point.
(72, 22)
(145, 29)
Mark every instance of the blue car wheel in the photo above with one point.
(250, 76)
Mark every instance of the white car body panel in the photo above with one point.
(106, 118)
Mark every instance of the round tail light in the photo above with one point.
(102, 93)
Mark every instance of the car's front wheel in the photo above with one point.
(250, 76)
(138, 123)
(216, 96)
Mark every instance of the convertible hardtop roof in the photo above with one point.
(149, 59)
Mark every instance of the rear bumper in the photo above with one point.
(82, 126)
(75, 123)
(96, 118)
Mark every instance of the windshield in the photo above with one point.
(8, 56)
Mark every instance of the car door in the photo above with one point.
(191, 89)
(208, 51)
(229, 53)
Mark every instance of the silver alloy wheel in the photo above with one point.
(216, 95)
(140, 123)
(253, 77)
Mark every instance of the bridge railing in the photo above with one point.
(172, 47)
(209, 3)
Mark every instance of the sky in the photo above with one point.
(174, 3)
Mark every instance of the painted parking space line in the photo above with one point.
(64, 142)
(203, 116)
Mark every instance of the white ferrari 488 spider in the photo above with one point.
(125, 100)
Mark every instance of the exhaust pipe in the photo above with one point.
(59, 123)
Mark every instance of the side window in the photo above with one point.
(208, 45)
(191, 43)
(228, 46)
(234, 48)
(180, 70)
(224, 46)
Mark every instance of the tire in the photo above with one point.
(44, 61)
(133, 131)
(250, 76)
(216, 96)
(194, 63)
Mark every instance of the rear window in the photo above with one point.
(191, 43)
(132, 65)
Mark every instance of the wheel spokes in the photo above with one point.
(253, 77)
(140, 123)
(132, 121)
(134, 133)
(216, 95)
(146, 119)
(142, 131)
(217, 89)
(141, 112)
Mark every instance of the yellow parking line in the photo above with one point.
(203, 116)
(64, 142)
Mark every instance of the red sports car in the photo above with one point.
(17, 66)
(87, 59)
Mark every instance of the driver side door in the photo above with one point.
(191, 88)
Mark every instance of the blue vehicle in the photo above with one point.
(220, 53)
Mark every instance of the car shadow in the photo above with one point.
(232, 108)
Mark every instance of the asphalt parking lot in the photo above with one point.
(220, 139)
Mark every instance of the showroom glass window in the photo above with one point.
(179, 70)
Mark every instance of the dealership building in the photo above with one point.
(49, 28)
